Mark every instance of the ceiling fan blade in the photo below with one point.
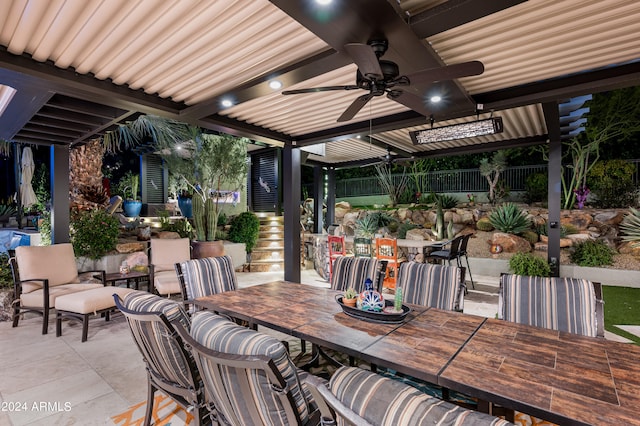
(447, 72)
(318, 89)
(365, 58)
(355, 107)
(409, 100)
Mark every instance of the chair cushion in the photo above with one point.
(425, 284)
(35, 299)
(56, 262)
(88, 301)
(353, 271)
(564, 304)
(387, 402)
(166, 282)
(212, 275)
(165, 253)
(171, 363)
(220, 334)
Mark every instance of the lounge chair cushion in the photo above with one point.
(386, 402)
(437, 286)
(353, 271)
(56, 262)
(166, 282)
(220, 334)
(165, 253)
(207, 276)
(564, 304)
(35, 299)
(173, 364)
(94, 300)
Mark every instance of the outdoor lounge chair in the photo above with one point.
(170, 368)
(163, 255)
(248, 376)
(41, 274)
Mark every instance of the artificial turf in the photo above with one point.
(621, 307)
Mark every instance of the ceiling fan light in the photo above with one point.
(275, 84)
(470, 129)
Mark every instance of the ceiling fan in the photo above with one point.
(379, 77)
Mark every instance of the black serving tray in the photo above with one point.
(378, 317)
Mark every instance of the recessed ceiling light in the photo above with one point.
(435, 99)
(275, 84)
(358, 137)
(324, 2)
(226, 103)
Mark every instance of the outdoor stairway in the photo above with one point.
(268, 254)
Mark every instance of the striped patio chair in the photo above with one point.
(353, 271)
(384, 402)
(571, 305)
(207, 276)
(437, 286)
(248, 376)
(170, 368)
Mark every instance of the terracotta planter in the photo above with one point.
(202, 249)
(349, 302)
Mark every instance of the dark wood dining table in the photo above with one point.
(556, 376)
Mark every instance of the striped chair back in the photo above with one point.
(353, 271)
(437, 286)
(207, 276)
(386, 402)
(248, 376)
(170, 368)
(564, 304)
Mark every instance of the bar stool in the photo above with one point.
(336, 249)
(387, 249)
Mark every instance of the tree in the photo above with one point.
(491, 171)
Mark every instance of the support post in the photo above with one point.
(59, 194)
(318, 199)
(331, 196)
(554, 170)
(291, 203)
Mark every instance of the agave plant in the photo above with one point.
(510, 219)
(367, 226)
(630, 226)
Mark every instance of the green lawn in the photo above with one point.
(621, 307)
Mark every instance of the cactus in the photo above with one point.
(450, 232)
(199, 217)
(438, 228)
(397, 300)
(211, 218)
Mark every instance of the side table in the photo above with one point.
(134, 277)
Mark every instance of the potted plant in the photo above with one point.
(132, 206)
(245, 228)
(211, 166)
(350, 297)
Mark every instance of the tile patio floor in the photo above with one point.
(87, 383)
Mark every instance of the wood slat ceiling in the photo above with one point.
(81, 66)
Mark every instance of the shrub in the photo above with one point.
(592, 253)
(94, 233)
(530, 235)
(404, 227)
(6, 278)
(381, 219)
(536, 187)
(510, 219)
(244, 229)
(447, 201)
(529, 264)
(484, 224)
(611, 183)
(630, 226)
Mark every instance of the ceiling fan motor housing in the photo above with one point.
(390, 71)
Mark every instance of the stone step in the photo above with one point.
(270, 255)
(277, 243)
(266, 265)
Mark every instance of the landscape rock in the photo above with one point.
(419, 234)
(511, 243)
(580, 220)
(611, 218)
(130, 247)
(168, 235)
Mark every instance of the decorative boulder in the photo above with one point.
(168, 235)
(419, 234)
(611, 218)
(579, 220)
(511, 243)
(130, 247)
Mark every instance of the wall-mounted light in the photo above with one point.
(471, 129)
